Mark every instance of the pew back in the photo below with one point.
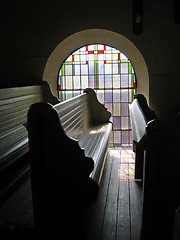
(14, 105)
(14, 147)
(74, 116)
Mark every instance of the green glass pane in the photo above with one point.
(119, 68)
(63, 70)
(73, 70)
(96, 74)
(130, 67)
(95, 67)
(96, 81)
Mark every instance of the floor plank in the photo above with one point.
(97, 217)
(117, 212)
(110, 216)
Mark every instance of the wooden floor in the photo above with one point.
(117, 212)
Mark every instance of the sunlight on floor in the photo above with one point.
(126, 158)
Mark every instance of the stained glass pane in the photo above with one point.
(117, 138)
(117, 95)
(84, 69)
(124, 95)
(84, 82)
(101, 67)
(125, 80)
(77, 69)
(91, 67)
(124, 122)
(101, 81)
(124, 67)
(125, 137)
(108, 81)
(68, 70)
(124, 109)
(69, 83)
(116, 81)
(111, 74)
(91, 81)
(76, 82)
(100, 95)
(116, 109)
(69, 94)
(115, 68)
(108, 95)
(108, 68)
(116, 122)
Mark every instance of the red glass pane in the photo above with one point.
(101, 52)
(90, 52)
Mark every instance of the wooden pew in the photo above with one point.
(68, 144)
(140, 115)
(14, 147)
(158, 165)
(161, 195)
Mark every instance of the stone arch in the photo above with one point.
(101, 36)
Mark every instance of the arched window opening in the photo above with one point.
(111, 74)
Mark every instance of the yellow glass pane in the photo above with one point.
(116, 109)
(69, 84)
(116, 81)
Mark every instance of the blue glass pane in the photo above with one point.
(116, 122)
(108, 96)
(108, 81)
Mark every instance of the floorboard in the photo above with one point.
(116, 214)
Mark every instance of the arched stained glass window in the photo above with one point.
(111, 74)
